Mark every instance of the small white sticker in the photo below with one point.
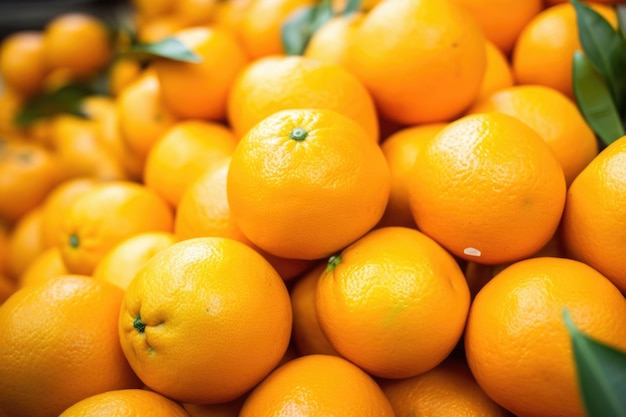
(471, 251)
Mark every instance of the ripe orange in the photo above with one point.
(46, 265)
(554, 116)
(159, 28)
(279, 83)
(22, 64)
(59, 345)
(393, 287)
(594, 218)
(488, 188)
(308, 336)
(120, 264)
(80, 150)
(104, 216)
(400, 150)
(57, 202)
(498, 72)
(200, 90)
(306, 183)
(317, 385)
(422, 60)
(231, 330)
(447, 390)
(259, 27)
(502, 21)
(545, 48)
(183, 153)
(122, 72)
(142, 116)
(204, 212)
(330, 43)
(77, 42)
(196, 12)
(25, 242)
(516, 342)
(126, 402)
(27, 173)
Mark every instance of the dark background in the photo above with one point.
(34, 14)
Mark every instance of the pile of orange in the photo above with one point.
(390, 224)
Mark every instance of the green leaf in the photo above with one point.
(352, 6)
(605, 47)
(169, 48)
(594, 100)
(601, 371)
(66, 99)
(302, 24)
(620, 9)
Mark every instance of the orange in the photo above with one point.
(260, 25)
(22, 64)
(142, 116)
(477, 275)
(401, 149)
(183, 153)
(594, 218)
(308, 336)
(104, 216)
(25, 242)
(57, 202)
(279, 83)
(10, 105)
(4, 249)
(330, 43)
(306, 183)
(59, 345)
(204, 212)
(122, 72)
(46, 265)
(200, 90)
(102, 110)
(498, 73)
(159, 28)
(448, 390)
(229, 409)
(77, 42)
(488, 188)
(317, 385)
(120, 265)
(545, 48)
(80, 150)
(196, 12)
(126, 402)
(502, 21)
(393, 287)
(231, 330)
(27, 173)
(422, 60)
(554, 116)
(229, 14)
(517, 345)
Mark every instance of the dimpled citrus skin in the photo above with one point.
(308, 197)
(126, 403)
(205, 320)
(279, 83)
(59, 345)
(516, 342)
(394, 302)
(317, 385)
(594, 219)
(422, 60)
(488, 188)
(551, 114)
